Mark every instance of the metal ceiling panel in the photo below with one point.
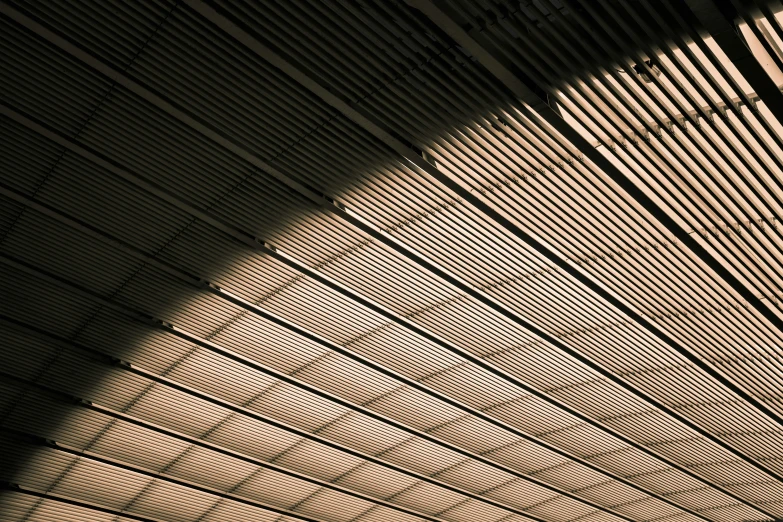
(446, 261)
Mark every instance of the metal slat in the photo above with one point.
(311, 273)
(95, 457)
(299, 295)
(513, 83)
(75, 502)
(126, 366)
(497, 307)
(724, 33)
(286, 378)
(244, 411)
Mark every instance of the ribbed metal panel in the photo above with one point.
(329, 262)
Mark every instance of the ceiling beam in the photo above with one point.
(164, 381)
(119, 364)
(155, 475)
(43, 495)
(536, 109)
(146, 318)
(332, 206)
(201, 284)
(575, 140)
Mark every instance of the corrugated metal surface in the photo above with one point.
(451, 261)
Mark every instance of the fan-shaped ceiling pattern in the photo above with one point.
(450, 261)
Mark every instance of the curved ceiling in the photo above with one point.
(451, 261)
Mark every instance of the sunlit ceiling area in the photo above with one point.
(391, 260)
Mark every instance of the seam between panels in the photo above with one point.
(38, 188)
(281, 155)
(99, 307)
(217, 426)
(34, 193)
(220, 329)
(250, 475)
(342, 254)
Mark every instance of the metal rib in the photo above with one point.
(250, 414)
(75, 502)
(339, 210)
(137, 370)
(139, 315)
(584, 148)
(95, 457)
(200, 283)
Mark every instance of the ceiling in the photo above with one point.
(386, 260)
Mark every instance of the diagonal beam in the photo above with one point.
(520, 90)
(543, 112)
(117, 464)
(330, 205)
(214, 290)
(74, 502)
(164, 381)
(127, 310)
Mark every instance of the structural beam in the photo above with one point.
(339, 210)
(122, 365)
(192, 486)
(249, 414)
(519, 89)
(200, 283)
(542, 111)
(43, 495)
(215, 348)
